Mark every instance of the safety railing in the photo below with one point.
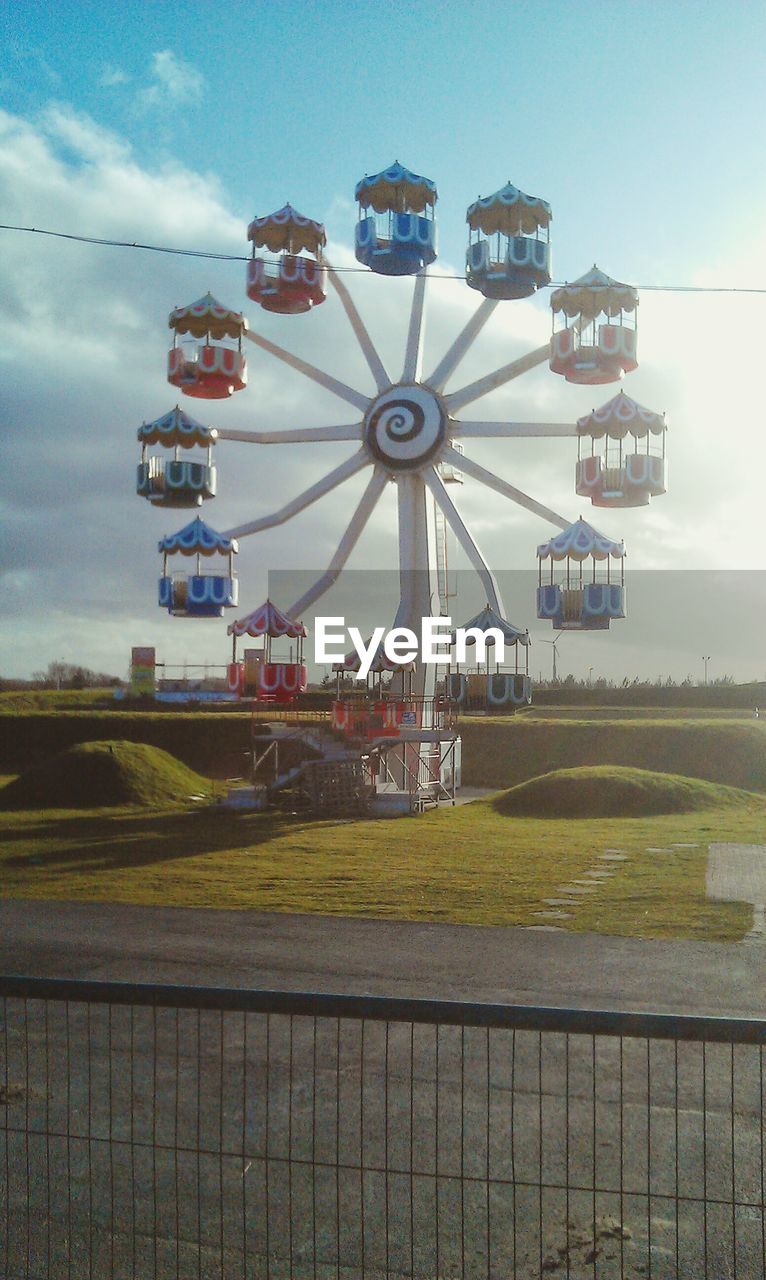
(154, 1131)
(264, 713)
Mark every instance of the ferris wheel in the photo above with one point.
(409, 427)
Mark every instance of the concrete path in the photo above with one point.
(737, 872)
(325, 953)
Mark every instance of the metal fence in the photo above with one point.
(154, 1131)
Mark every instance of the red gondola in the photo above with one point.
(597, 340)
(293, 283)
(214, 368)
(266, 678)
(625, 466)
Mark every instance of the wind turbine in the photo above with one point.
(553, 644)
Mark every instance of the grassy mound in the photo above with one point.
(608, 791)
(95, 774)
(500, 754)
(208, 742)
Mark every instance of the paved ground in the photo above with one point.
(293, 952)
(145, 1143)
(643, 1126)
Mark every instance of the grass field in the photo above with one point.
(501, 751)
(22, 701)
(472, 865)
(497, 751)
(476, 864)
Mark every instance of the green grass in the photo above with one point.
(107, 773)
(469, 866)
(22, 701)
(473, 865)
(209, 743)
(500, 752)
(613, 791)
(586, 711)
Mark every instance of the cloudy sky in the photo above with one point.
(641, 123)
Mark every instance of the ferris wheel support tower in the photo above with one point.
(406, 432)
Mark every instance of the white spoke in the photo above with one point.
(506, 374)
(369, 351)
(346, 545)
(492, 481)
(434, 482)
(414, 352)
(462, 344)
(497, 379)
(318, 490)
(338, 388)
(296, 436)
(509, 430)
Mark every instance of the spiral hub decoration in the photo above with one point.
(405, 427)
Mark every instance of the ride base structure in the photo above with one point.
(393, 738)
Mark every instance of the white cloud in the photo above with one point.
(86, 139)
(112, 76)
(82, 363)
(174, 81)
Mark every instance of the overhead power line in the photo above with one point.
(435, 275)
(127, 244)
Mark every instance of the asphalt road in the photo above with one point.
(326, 953)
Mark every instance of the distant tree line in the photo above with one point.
(659, 682)
(63, 675)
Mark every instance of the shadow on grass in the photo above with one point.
(124, 839)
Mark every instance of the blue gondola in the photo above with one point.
(396, 230)
(582, 595)
(173, 481)
(204, 593)
(509, 254)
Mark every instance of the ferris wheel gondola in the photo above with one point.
(170, 480)
(293, 283)
(626, 463)
(206, 592)
(490, 688)
(268, 676)
(583, 593)
(509, 254)
(215, 367)
(396, 231)
(595, 341)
